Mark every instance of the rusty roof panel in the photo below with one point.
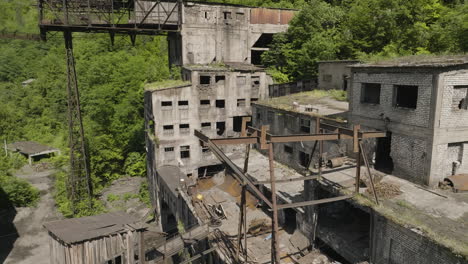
(264, 16)
(458, 182)
(286, 16)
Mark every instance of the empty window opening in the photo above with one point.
(183, 103)
(206, 15)
(406, 96)
(220, 79)
(264, 41)
(288, 149)
(205, 103)
(184, 152)
(227, 15)
(166, 103)
(205, 79)
(370, 93)
(208, 171)
(169, 149)
(237, 123)
(220, 128)
(206, 126)
(240, 16)
(255, 81)
(305, 125)
(240, 102)
(168, 129)
(256, 56)
(327, 78)
(116, 260)
(383, 159)
(252, 100)
(205, 149)
(184, 128)
(290, 220)
(303, 158)
(460, 97)
(220, 103)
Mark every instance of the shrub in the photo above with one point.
(19, 192)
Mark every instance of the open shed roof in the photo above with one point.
(30, 148)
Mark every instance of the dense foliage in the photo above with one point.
(360, 29)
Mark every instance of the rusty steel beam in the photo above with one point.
(235, 141)
(289, 180)
(366, 162)
(314, 202)
(307, 137)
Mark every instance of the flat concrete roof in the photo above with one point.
(31, 148)
(172, 176)
(225, 66)
(155, 86)
(423, 61)
(321, 102)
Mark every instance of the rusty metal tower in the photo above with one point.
(131, 17)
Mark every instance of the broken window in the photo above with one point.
(184, 128)
(327, 78)
(184, 152)
(219, 79)
(406, 96)
(305, 125)
(240, 102)
(166, 103)
(206, 126)
(220, 128)
(220, 103)
(205, 103)
(460, 97)
(288, 149)
(204, 79)
(370, 93)
(169, 149)
(169, 153)
(183, 104)
(227, 15)
(168, 130)
(303, 158)
(253, 100)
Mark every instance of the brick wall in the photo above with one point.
(416, 117)
(409, 156)
(396, 244)
(451, 116)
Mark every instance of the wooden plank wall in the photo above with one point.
(96, 251)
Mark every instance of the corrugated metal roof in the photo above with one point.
(92, 227)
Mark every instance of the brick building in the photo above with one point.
(423, 106)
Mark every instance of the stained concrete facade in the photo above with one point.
(423, 106)
(225, 33)
(334, 75)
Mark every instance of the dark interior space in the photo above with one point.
(290, 220)
(170, 225)
(383, 160)
(205, 79)
(344, 228)
(220, 104)
(330, 252)
(208, 171)
(370, 93)
(303, 158)
(220, 128)
(256, 57)
(237, 123)
(406, 96)
(8, 232)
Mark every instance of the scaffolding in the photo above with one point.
(265, 141)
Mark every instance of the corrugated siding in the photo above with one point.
(286, 16)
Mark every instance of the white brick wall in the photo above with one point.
(451, 116)
(417, 117)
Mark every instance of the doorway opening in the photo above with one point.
(383, 159)
(237, 123)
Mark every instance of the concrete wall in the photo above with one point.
(236, 86)
(333, 74)
(276, 90)
(219, 33)
(392, 243)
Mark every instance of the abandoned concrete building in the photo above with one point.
(423, 106)
(334, 74)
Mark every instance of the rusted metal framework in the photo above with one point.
(134, 17)
(250, 135)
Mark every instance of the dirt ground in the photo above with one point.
(31, 245)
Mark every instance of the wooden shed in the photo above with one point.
(110, 238)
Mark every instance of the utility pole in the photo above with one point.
(79, 179)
